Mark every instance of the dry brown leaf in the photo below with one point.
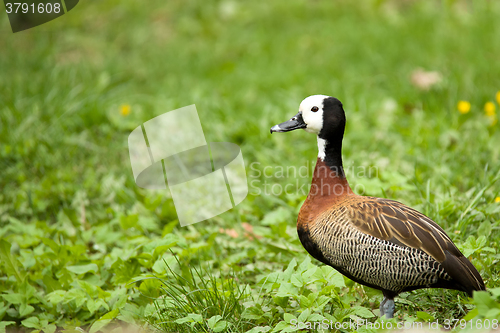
(425, 80)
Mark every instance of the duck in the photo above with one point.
(379, 243)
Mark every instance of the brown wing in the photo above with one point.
(392, 221)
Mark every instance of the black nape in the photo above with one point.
(333, 133)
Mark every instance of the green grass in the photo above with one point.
(82, 246)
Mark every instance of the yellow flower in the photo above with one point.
(497, 96)
(463, 107)
(497, 199)
(125, 110)
(489, 109)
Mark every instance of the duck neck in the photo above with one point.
(329, 178)
(330, 152)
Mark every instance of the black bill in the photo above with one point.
(295, 123)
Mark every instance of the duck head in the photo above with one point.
(324, 116)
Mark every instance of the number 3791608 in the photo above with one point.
(478, 324)
(22, 7)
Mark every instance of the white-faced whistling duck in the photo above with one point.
(379, 243)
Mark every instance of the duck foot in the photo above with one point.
(387, 307)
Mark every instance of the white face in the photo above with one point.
(313, 119)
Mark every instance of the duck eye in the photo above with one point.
(314, 109)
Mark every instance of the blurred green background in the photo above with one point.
(78, 237)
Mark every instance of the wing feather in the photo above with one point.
(400, 224)
(392, 221)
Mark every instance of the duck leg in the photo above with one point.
(387, 307)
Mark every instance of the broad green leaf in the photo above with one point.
(304, 265)
(150, 287)
(110, 315)
(89, 288)
(161, 246)
(120, 302)
(337, 280)
(4, 324)
(286, 289)
(288, 317)
(213, 320)
(82, 269)
(303, 316)
(150, 310)
(216, 323)
(493, 313)
(161, 265)
(27, 290)
(297, 280)
(32, 322)
(92, 305)
(481, 241)
(9, 263)
(321, 301)
(220, 326)
(25, 310)
(315, 317)
(495, 292)
(280, 326)
(259, 329)
(51, 328)
(484, 301)
(129, 221)
(285, 276)
(363, 312)
(3, 308)
(184, 320)
(253, 312)
(472, 314)
(14, 298)
(425, 316)
(102, 303)
(310, 272)
(281, 301)
(56, 296)
(190, 318)
(484, 229)
(99, 324)
(50, 243)
(305, 302)
(76, 295)
(276, 216)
